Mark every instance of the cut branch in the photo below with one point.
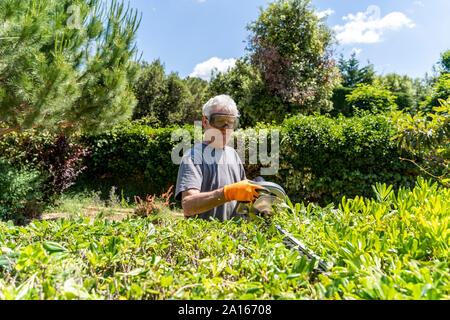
(6, 131)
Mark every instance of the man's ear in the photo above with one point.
(204, 122)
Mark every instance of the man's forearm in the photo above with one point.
(203, 202)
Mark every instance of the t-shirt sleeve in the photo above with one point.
(243, 175)
(190, 176)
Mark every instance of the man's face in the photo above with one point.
(218, 137)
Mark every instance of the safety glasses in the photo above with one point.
(222, 121)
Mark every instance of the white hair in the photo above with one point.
(224, 102)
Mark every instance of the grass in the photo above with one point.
(79, 204)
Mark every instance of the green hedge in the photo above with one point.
(135, 158)
(321, 159)
(324, 159)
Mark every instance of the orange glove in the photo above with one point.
(241, 191)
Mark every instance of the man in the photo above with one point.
(211, 177)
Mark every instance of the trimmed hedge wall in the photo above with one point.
(324, 159)
(321, 159)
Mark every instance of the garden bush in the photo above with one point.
(339, 103)
(58, 158)
(323, 159)
(371, 97)
(20, 191)
(133, 157)
(392, 246)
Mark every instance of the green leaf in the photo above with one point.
(54, 247)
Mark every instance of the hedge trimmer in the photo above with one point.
(262, 206)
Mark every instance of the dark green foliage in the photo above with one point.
(133, 156)
(166, 99)
(404, 101)
(198, 91)
(150, 90)
(323, 159)
(20, 190)
(353, 75)
(340, 105)
(440, 91)
(445, 61)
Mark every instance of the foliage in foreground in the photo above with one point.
(391, 247)
(395, 246)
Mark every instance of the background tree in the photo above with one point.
(65, 64)
(445, 62)
(150, 90)
(166, 99)
(374, 98)
(250, 92)
(352, 74)
(440, 91)
(401, 87)
(198, 89)
(290, 47)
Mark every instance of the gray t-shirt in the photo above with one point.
(208, 169)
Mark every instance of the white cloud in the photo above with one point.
(356, 51)
(203, 70)
(419, 3)
(321, 14)
(369, 26)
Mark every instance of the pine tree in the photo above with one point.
(66, 64)
(353, 75)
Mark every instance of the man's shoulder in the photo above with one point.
(194, 154)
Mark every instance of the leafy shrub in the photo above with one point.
(20, 191)
(340, 105)
(373, 98)
(440, 91)
(133, 156)
(323, 159)
(393, 246)
(59, 158)
(427, 138)
(152, 205)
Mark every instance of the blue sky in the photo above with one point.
(193, 36)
